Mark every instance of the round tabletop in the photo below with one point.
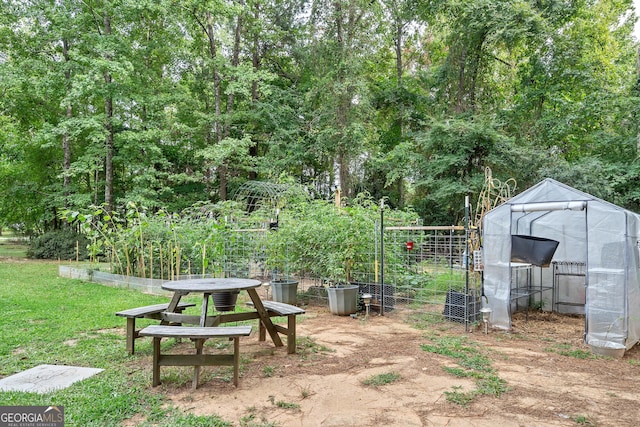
(211, 285)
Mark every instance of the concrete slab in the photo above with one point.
(46, 378)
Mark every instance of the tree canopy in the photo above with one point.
(166, 103)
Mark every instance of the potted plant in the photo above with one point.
(328, 242)
(283, 287)
(284, 290)
(343, 299)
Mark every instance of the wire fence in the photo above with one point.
(418, 268)
(427, 269)
(400, 266)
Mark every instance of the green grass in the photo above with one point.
(428, 321)
(308, 349)
(472, 363)
(287, 405)
(12, 248)
(382, 379)
(177, 418)
(53, 320)
(268, 371)
(251, 421)
(583, 420)
(569, 351)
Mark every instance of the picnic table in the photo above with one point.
(208, 325)
(207, 286)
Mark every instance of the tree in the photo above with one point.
(166, 103)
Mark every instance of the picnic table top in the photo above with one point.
(209, 285)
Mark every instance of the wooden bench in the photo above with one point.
(275, 309)
(148, 312)
(199, 335)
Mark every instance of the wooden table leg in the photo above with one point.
(291, 333)
(264, 317)
(173, 305)
(131, 334)
(205, 308)
(196, 368)
(156, 361)
(236, 360)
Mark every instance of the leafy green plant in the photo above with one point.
(305, 392)
(583, 420)
(159, 244)
(459, 397)
(319, 239)
(65, 244)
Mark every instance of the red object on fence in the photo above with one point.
(409, 246)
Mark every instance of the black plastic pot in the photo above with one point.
(225, 301)
(533, 250)
(374, 290)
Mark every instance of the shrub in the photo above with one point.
(58, 244)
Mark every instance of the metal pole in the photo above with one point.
(466, 262)
(375, 257)
(586, 269)
(382, 257)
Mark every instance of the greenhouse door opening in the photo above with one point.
(548, 259)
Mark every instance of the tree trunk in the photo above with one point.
(343, 165)
(475, 68)
(235, 60)
(398, 43)
(638, 88)
(66, 145)
(109, 147)
(341, 108)
(460, 96)
(223, 169)
(255, 60)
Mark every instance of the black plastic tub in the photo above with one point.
(460, 307)
(533, 250)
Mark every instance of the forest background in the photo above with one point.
(166, 103)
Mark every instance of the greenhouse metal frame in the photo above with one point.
(598, 243)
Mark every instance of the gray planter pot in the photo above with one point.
(343, 300)
(284, 291)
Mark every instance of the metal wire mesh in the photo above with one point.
(427, 268)
(423, 269)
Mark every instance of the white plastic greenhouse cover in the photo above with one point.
(603, 236)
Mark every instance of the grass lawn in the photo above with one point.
(52, 320)
(11, 246)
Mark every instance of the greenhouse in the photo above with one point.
(555, 248)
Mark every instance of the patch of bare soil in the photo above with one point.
(322, 385)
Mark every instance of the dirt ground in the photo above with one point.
(322, 385)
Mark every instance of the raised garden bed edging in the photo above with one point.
(149, 286)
